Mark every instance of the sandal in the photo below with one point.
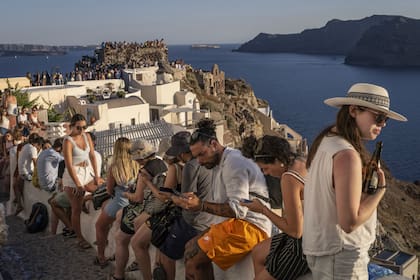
(159, 273)
(134, 266)
(112, 277)
(69, 234)
(102, 264)
(83, 244)
(18, 210)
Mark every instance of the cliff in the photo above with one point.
(392, 43)
(379, 40)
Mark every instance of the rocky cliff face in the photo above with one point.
(379, 40)
(392, 43)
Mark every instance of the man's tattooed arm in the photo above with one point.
(219, 209)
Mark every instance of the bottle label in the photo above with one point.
(373, 183)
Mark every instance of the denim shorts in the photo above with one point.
(117, 202)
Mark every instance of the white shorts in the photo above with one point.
(84, 173)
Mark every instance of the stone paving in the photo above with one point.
(45, 256)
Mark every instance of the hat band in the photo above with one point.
(382, 101)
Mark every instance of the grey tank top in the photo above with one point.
(79, 155)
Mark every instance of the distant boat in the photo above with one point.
(205, 46)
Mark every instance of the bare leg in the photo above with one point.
(168, 265)
(259, 254)
(140, 243)
(122, 240)
(76, 209)
(59, 214)
(197, 265)
(18, 189)
(102, 229)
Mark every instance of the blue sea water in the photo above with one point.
(295, 86)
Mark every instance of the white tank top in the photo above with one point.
(322, 235)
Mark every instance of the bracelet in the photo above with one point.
(202, 206)
(382, 187)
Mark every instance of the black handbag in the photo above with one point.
(161, 223)
(99, 196)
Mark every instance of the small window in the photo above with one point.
(133, 121)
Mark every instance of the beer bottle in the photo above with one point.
(370, 183)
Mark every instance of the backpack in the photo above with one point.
(38, 220)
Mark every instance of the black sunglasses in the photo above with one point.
(81, 127)
(198, 135)
(380, 118)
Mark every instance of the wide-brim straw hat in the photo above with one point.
(367, 95)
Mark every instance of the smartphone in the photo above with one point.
(177, 193)
(168, 190)
(246, 200)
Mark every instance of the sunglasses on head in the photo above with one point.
(380, 118)
(198, 135)
(81, 127)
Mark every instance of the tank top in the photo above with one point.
(322, 235)
(79, 155)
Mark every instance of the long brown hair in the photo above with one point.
(346, 127)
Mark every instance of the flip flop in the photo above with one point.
(83, 244)
(132, 267)
(102, 265)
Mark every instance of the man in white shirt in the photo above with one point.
(27, 157)
(47, 166)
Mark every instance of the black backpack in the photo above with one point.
(38, 220)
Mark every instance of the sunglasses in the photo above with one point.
(198, 135)
(81, 127)
(380, 118)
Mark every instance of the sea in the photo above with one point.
(295, 86)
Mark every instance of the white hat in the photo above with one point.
(367, 95)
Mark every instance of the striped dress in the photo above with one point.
(285, 259)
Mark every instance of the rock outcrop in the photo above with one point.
(379, 40)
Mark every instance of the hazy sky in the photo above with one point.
(70, 22)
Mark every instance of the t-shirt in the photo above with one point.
(47, 166)
(22, 118)
(197, 179)
(25, 162)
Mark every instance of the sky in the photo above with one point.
(84, 22)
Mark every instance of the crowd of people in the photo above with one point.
(210, 204)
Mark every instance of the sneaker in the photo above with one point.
(134, 266)
(159, 273)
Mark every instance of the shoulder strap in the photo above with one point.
(68, 137)
(295, 174)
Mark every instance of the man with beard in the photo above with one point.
(235, 179)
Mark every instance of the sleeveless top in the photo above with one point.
(322, 235)
(295, 175)
(79, 155)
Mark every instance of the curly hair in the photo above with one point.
(269, 148)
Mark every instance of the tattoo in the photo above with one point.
(191, 251)
(219, 209)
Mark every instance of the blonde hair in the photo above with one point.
(123, 168)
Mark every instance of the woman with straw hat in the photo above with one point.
(340, 221)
